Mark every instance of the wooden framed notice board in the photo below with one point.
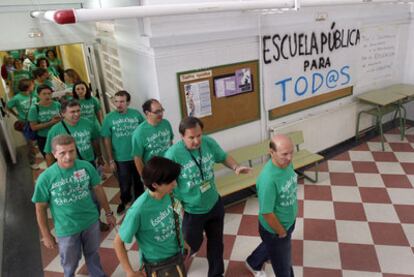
(223, 96)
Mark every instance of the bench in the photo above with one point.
(255, 156)
(303, 157)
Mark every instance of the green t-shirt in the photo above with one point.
(52, 71)
(197, 196)
(276, 190)
(149, 141)
(89, 108)
(84, 133)
(151, 222)
(67, 191)
(22, 104)
(56, 63)
(43, 114)
(17, 76)
(119, 128)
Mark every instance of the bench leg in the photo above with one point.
(357, 126)
(316, 175)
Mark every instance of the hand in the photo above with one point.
(112, 165)
(282, 234)
(243, 170)
(49, 241)
(56, 119)
(111, 220)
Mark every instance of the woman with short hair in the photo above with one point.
(151, 219)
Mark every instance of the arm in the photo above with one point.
(274, 222)
(103, 201)
(9, 110)
(99, 115)
(97, 150)
(139, 164)
(41, 215)
(122, 255)
(108, 147)
(38, 126)
(231, 163)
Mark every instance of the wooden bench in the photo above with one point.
(303, 157)
(255, 156)
(229, 182)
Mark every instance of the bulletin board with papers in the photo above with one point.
(222, 97)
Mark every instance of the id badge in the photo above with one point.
(205, 187)
(79, 174)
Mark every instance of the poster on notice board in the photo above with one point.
(197, 98)
(235, 84)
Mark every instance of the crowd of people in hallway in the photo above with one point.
(167, 189)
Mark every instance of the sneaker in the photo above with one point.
(103, 226)
(120, 209)
(256, 273)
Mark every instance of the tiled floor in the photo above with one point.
(357, 221)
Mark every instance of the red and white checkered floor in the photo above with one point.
(357, 221)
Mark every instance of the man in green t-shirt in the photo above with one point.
(65, 189)
(153, 137)
(196, 189)
(278, 207)
(44, 115)
(85, 133)
(117, 131)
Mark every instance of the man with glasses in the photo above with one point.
(153, 137)
(117, 129)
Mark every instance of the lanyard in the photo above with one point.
(199, 164)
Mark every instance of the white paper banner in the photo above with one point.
(308, 60)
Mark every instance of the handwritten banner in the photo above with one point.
(304, 62)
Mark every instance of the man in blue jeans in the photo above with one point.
(276, 190)
(65, 188)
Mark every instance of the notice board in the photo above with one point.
(222, 97)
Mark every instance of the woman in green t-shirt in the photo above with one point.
(153, 219)
(19, 74)
(54, 62)
(19, 106)
(90, 106)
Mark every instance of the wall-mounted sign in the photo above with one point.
(304, 62)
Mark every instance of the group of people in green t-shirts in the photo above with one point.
(180, 204)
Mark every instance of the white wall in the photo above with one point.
(191, 42)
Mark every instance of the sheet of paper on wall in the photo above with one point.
(225, 86)
(244, 80)
(197, 98)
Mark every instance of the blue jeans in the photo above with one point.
(71, 248)
(212, 223)
(129, 180)
(278, 250)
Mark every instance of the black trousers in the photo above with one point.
(41, 142)
(129, 180)
(212, 223)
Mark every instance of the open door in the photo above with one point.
(93, 66)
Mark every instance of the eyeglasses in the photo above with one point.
(158, 112)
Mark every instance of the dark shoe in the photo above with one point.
(120, 209)
(103, 226)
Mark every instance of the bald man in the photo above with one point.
(276, 190)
